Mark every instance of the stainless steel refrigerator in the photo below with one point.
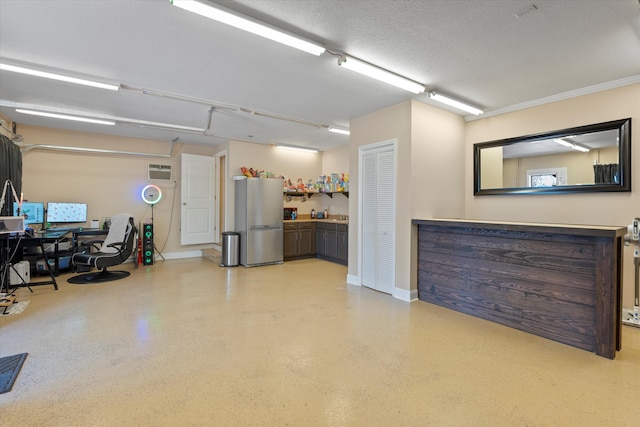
(258, 219)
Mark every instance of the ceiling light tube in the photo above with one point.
(580, 148)
(570, 144)
(453, 103)
(4, 66)
(66, 117)
(226, 16)
(340, 131)
(563, 142)
(380, 74)
(288, 147)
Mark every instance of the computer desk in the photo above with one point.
(75, 234)
(38, 239)
(11, 243)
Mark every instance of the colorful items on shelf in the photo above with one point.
(254, 173)
(333, 183)
(298, 187)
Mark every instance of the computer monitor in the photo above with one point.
(33, 212)
(58, 213)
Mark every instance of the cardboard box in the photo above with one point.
(63, 262)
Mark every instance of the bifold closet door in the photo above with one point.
(378, 219)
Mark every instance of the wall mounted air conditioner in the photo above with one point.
(160, 173)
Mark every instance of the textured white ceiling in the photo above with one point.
(478, 51)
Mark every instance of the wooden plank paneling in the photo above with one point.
(559, 283)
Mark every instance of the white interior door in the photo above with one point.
(377, 195)
(197, 219)
(221, 196)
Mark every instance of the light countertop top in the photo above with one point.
(323, 220)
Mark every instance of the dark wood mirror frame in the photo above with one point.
(624, 160)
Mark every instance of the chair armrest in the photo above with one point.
(93, 243)
(117, 245)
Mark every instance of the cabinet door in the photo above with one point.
(290, 243)
(343, 246)
(306, 242)
(331, 241)
(320, 242)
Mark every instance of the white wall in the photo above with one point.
(109, 184)
(334, 161)
(390, 123)
(615, 209)
(437, 162)
(430, 175)
(594, 208)
(292, 165)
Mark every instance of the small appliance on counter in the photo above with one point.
(290, 213)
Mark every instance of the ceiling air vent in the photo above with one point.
(159, 173)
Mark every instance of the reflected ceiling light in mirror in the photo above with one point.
(380, 74)
(570, 144)
(66, 117)
(50, 74)
(229, 17)
(454, 103)
(340, 131)
(288, 147)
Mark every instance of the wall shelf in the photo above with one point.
(309, 194)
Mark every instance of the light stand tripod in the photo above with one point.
(155, 248)
(148, 245)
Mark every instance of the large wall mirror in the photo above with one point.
(590, 158)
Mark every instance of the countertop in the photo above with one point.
(328, 220)
(577, 229)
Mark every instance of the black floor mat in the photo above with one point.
(9, 369)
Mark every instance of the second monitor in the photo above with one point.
(58, 213)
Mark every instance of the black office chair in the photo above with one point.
(113, 250)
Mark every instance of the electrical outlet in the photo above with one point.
(630, 317)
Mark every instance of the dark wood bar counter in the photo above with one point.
(561, 282)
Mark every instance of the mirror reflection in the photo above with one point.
(587, 158)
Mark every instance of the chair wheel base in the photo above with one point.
(98, 277)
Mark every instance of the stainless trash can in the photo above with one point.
(230, 249)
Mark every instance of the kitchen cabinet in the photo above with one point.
(324, 240)
(331, 242)
(343, 243)
(299, 240)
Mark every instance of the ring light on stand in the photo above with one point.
(151, 194)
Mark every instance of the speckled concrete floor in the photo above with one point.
(188, 343)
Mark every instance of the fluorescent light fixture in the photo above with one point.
(453, 103)
(4, 66)
(226, 16)
(340, 131)
(570, 144)
(61, 113)
(288, 147)
(66, 117)
(563, 142)
(379, 74)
